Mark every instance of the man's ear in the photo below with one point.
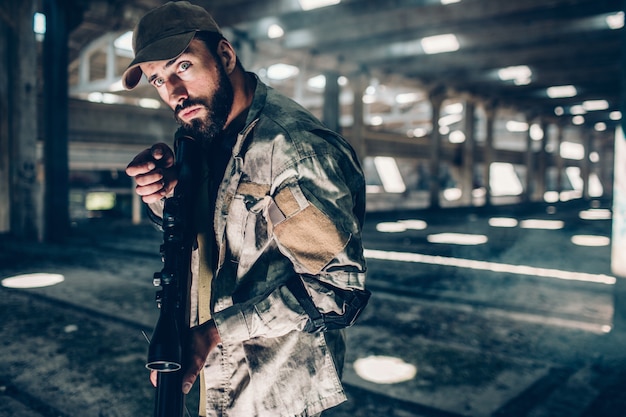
(227, 54)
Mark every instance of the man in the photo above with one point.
(279, 235)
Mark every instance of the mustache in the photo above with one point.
(188, 103)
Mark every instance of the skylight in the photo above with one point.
(281, 71)
(316, 4)
(515, 126)
(440, 43)
(561, 91)
(125, 41)
(593, 105)
(519, 74)
(39, 23)
(615, 21)
(275, 31)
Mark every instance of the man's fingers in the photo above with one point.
(157, 152)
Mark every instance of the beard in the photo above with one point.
(217, 109)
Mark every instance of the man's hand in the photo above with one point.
(203, 338)
(154, 172)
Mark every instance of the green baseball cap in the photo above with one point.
(164, 33)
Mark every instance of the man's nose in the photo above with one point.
(177, 93)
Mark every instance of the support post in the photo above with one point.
(490, 112)
(56, 201)
(331, 111)
(467, 178)
(436, 96)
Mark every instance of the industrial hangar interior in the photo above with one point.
(460, 111)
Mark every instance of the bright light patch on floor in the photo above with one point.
(316, 4)
(384, 369)
(390, 227)
(414, 224)
(401, 226)
(489, 266)
(502, 222)
(590, 240)
(457, 239)
(595, 214)
(541, 224)
(389, 174)
(36, 280)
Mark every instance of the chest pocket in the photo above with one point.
(246, 230)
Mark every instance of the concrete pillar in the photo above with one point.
(558, 159)
(467, 169)
(618, 237)
(490, 113)
(605, 165)
(529, 187)
(55, 61)
(357, 139)
(436, 97)
(585, 164)
(331, 112)
(20, 183)
(542, 162)
(5, 127)
(137, 206)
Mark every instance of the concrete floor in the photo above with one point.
(500, 328)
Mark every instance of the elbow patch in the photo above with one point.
(309, 236)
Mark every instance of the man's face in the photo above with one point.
(196, 87)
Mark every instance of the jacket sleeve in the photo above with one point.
(314, 216)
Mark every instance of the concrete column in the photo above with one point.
(605, 165)
(20, 184)
(436, 97)
(357, 139)
(56, 216)
(467, 169)
(618, 237)
(585, 165)
(490, 112)
(137, 206)
(331, 112)
(529, 187)
(542, 162)
(558, 159)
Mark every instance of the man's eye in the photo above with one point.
(158, 82)
(184, 65)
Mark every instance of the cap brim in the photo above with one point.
(163, 49)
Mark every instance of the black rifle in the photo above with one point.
(170, 339)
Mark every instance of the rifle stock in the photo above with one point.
(169, 341)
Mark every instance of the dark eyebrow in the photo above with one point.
(166, 66)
